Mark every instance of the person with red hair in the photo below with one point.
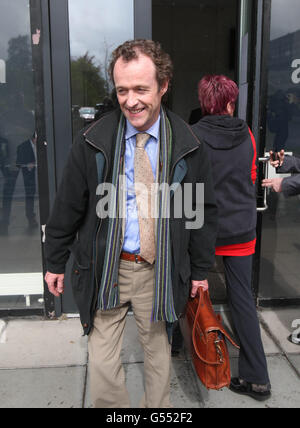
(232, 151)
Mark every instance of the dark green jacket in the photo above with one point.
(74, 226)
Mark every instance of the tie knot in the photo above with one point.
(141, 140)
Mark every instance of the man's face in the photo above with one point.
(138, 92)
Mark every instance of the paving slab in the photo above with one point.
(3, 326)
(42, 388)
(35, 343)
(295, 361)
(279, 323)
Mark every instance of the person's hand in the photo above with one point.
(279, 159)
(55, 283)
(273, 183)
(196, 285)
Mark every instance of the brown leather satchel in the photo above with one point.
(205, 336)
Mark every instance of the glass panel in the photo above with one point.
(105, 26)
(280, 269)
(201, 37)
(20, 247)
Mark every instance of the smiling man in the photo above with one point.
(152, 265)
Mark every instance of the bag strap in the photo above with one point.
(216, 328)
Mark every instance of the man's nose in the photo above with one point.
(131, 100)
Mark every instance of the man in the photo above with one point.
(289, 186)
(26, 161)
(139, 260)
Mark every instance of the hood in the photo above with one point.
(222, 132)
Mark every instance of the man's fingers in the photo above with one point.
(267, 183)
(194, 291)
(52, 289)
(55, 283)
(281, 157)
(60, 285)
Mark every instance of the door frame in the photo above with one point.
(260, 129)
(39, 19)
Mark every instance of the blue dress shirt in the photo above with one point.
(131, 242)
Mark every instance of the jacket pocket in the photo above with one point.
(80, 278)
(81, 267)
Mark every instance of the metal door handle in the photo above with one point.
(265, 161)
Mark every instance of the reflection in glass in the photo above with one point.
(109, 25)
(280, 269)
(20, 249)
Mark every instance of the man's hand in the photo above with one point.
(273, 183)
(196, 285)
(55, 283)
(279, 158)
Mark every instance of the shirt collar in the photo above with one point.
(153, 131)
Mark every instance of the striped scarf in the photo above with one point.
(109, 294)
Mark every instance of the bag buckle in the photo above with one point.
(219, 350)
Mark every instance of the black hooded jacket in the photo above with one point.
(231, 151)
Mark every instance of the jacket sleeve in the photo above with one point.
(290, 164)
(203, 240)
(68, 210)
(291, 185)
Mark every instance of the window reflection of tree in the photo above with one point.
(89, 88)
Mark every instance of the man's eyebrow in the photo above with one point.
(135, 87)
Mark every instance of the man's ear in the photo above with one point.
(164, 88)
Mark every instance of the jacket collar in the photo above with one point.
(102, 135)
(184, 139)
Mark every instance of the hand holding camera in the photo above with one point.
(276, 159)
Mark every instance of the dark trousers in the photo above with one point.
(252, 360)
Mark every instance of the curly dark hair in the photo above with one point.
(132, 48)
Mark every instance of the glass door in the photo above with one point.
(82, 40)
(21, 277)
(280, 248)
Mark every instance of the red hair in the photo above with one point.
(215, 92)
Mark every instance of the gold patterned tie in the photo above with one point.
(143, 181)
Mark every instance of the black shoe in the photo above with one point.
(245, 388)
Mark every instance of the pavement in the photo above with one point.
(44, 364)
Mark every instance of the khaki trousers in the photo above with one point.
(107, 378)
